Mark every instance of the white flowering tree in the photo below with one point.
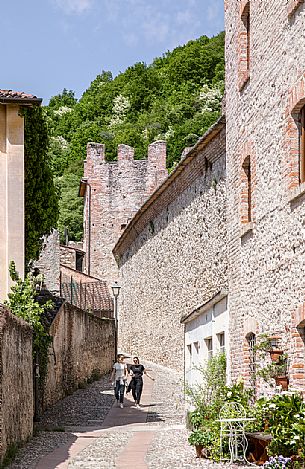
(210, 98)
(121, 106)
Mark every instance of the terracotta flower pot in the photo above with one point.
(199, 449)
(282, 381)
(275, 355)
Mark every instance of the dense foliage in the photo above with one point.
(282, 416)
(22, 302)
(176, 98)
(41, 200)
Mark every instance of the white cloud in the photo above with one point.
(74, 6)
(164, 22)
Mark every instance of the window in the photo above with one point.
(79, 261)
(221, 342)
(246, 190)
(293, 5)
(247, 25)
(251, 338)
(197, 346)
(302, 145)
(244, 45)
(209, 347)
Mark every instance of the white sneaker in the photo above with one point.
(121, 405)
(137, 406)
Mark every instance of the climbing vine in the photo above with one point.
(23, 303)
(41, 198)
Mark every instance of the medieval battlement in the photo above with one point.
(155, 161)
(114, 191)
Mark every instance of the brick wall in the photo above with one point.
(267, 261)
(172, 256)
(16, 380)
(81, 344)
(114, 193)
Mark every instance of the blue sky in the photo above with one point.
(48, 45)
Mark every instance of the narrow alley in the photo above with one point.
(86, 430)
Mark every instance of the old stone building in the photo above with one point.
(113, 192)
(265, 98)
(172, 256)
(12, 183)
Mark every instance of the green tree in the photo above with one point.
(41, 200)
(176, 98)
(71, 213)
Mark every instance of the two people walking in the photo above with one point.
(119, 376)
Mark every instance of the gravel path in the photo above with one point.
(91, 403)
(166, 417)
(102, 453)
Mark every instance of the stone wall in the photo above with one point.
(114, 192)
(49, 260)
(68, 256)
(266, 253)
(82, 344)
(16, 380)
(70, 253)
(172, 256)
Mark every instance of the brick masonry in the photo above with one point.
(172, 256)
(267, 261)
(114, 193)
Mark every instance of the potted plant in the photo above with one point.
(277, 371)
(275, 354)
(200, 438)
(269, 344)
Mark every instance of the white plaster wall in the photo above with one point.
(209, 324)
(11, 194)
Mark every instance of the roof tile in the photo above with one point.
(16, 94)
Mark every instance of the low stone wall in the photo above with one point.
(16, 380)
(82, 343)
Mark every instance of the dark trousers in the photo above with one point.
(136, 386)
(119, 391)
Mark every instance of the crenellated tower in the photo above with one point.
(114, 192)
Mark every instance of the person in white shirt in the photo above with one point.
(119, 376)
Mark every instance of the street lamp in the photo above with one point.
(116, 291)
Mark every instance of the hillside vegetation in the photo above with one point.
(176, 98)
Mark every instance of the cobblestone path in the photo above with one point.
(87, 431)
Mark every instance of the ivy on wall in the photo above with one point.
(41, 198)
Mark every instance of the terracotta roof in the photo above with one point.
(8, 96)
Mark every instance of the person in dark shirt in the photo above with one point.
(136, 384)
